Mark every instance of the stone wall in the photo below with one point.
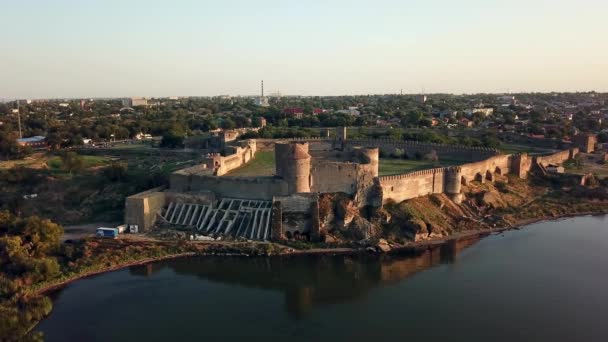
(141, 209)
(411, 185)
(388, 146)
(239, 156)
(261, 188)
(556, 158)
(482, 169)
(298, 203)
(445, 180)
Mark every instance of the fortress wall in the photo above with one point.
(388, 146)
(334, 177)
(497, 164)
(298, 203)
(241, 156)
(411, 185)
(320, 145)
(556, 158)
(265, 145)
(262, 188)
(421, 183)
(203, 197)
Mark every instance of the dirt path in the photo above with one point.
(79, 231)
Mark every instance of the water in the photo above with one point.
(548, 282)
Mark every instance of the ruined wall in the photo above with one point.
(411, 185)
(479, 170)
(556, 158)
(521, 164)
(328, 176)
(297, 203)
(141, 209)
(449, 180)
(240, 155)
(203, 197)
(388, 146)
(586, 142)
(262, 188)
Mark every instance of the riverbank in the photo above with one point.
(215, 249)
(51, 287)
(472, 220)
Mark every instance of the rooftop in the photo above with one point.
(37, 138)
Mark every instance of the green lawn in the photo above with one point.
(262, 165)
(390, 166)
(515, 148)
(88, 161)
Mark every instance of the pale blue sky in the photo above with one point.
(94, 48)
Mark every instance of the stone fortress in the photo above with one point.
(208, 199)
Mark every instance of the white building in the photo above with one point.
(485, 111)
(261, 101)
(134, 101)
(350, 111)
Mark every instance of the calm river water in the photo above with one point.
(548, 282)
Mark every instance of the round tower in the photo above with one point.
(293, 165)
(369, 156)
(453, 184)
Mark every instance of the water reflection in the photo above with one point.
(313, 280)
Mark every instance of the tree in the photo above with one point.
(8, 145)
(4, 110)
(116, 171)
(71, 162)
(172, 139)
(228, 123)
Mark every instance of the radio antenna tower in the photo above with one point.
(262, 88)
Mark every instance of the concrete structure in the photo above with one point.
(141, 209)
(262, 101)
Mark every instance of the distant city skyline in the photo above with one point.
(111, 48)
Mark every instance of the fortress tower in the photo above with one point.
(293, 165)
(369, 156)
(520, 165)
(453, 184)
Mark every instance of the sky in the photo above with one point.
(111, 48)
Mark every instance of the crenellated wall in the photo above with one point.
(482, 169)
(411, 185)
(260, 188)
(388, 146)
(237, 157)
(557, 158)
(449, 180)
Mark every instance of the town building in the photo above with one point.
(295, 112)
(134, 101)
(36, 142)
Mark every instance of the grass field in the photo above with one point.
(515, 148)
(389, 166)
(88, 161)
(262, 165)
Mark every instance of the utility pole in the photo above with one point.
(19, 119)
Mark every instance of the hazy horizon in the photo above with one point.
(105, 49)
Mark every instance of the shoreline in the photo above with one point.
(409, 247)
(63, 283)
